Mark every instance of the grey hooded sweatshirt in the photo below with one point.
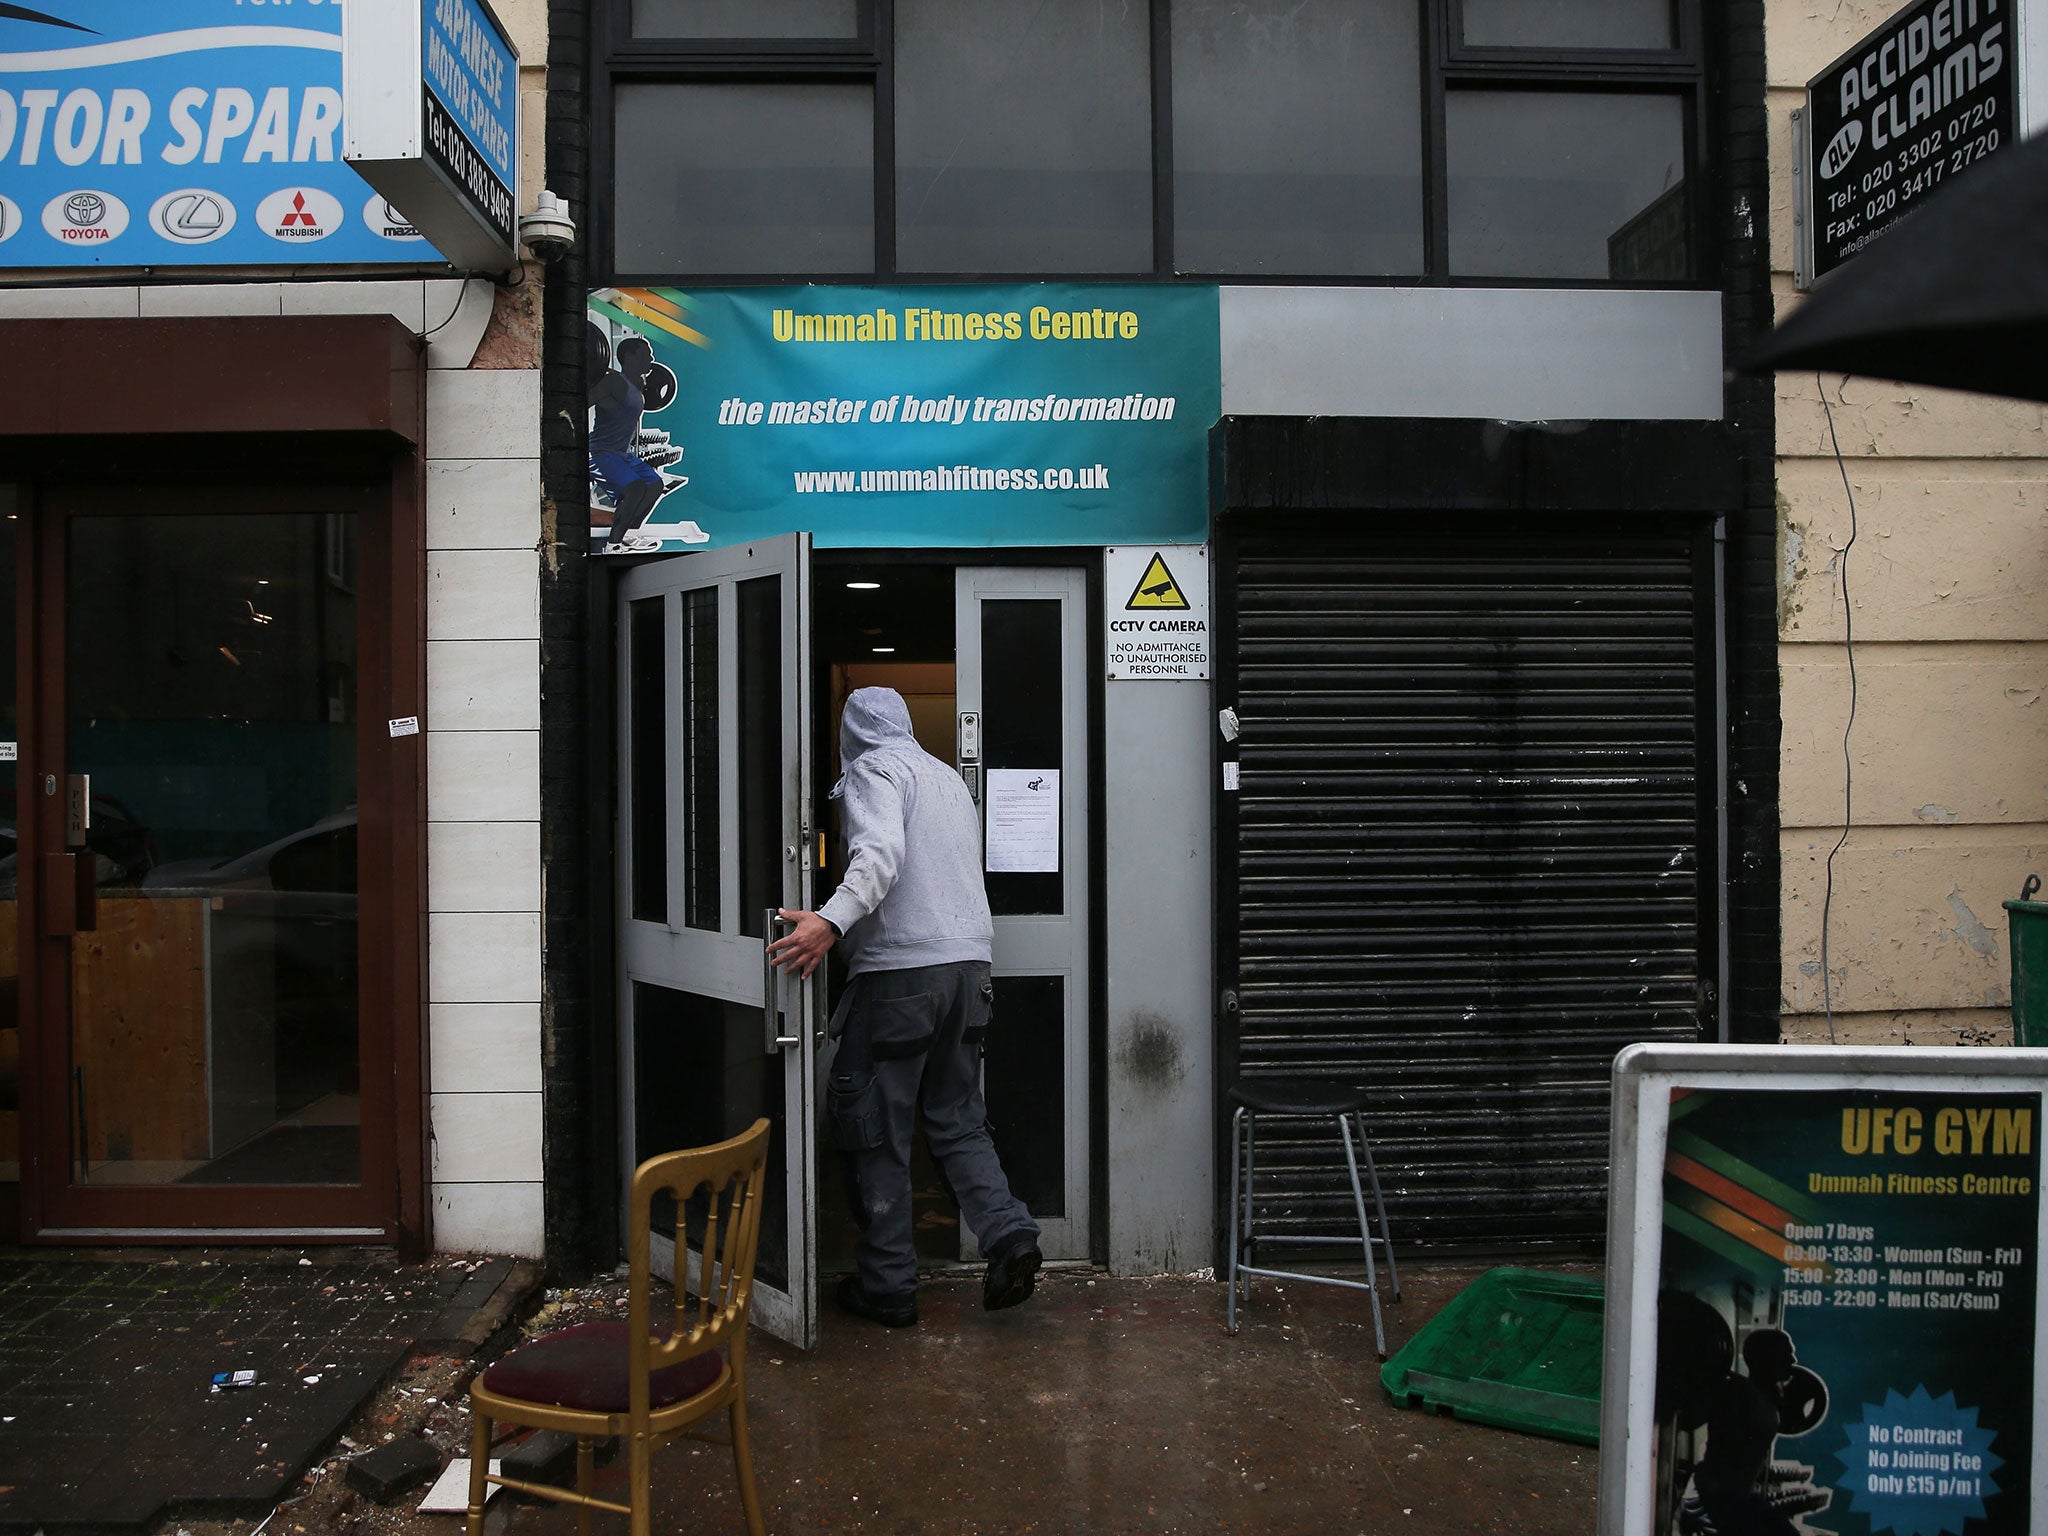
(913, 892)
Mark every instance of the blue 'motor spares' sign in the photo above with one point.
(472, 77)
(182, 133)
(432, 92)
(879, 417)
(1915, 104)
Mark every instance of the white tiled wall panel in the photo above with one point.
(483, 957)
(484, 866)
(483, 504)
(483, 792)
(488, 1218)
(482, 776)
(485, 1047)
(483, 685)
(486, 1138)
(484, 594)
(484, 414)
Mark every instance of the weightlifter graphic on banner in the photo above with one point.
(628, 459)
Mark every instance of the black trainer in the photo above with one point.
(1012, 1273)
(889, 1311)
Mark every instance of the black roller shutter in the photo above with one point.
(1469, 857)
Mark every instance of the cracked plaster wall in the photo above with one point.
(1949, 750)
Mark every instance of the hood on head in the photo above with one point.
(873, 717)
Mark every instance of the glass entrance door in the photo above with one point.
(1022, 745)
(187, 866)
(715, 833)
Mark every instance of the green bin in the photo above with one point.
(2027, 934)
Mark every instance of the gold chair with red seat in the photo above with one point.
(652, 1377)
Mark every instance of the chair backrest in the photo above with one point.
(713, 1313)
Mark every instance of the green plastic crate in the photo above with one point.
(1517, 1347)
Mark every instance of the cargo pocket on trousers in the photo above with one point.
(899, 1027)
(853, 1110)
(981, 1009)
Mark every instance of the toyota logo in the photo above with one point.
(84, 209)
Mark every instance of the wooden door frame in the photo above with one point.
(330, 411)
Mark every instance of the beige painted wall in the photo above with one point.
(1948, 601)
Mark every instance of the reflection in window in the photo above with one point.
(745, 18)
(763, 769)
(210, 667)
(744, 178)
(1570, 24)
(1297, 137)
(1023, 137)
(1544, 184)
(647, 689)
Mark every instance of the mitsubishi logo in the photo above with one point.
(299, 215)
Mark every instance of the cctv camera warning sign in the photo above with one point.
(1845, 1313)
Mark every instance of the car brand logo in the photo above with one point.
(299, 214)
(10, 218)
(1841, 149)
(192, 216)
(387, 223)
(85, 217)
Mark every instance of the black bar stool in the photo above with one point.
(1309, 1100)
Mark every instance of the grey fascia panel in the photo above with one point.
(1512, 354)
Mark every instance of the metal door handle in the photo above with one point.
(771, 991)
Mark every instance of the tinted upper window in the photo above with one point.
(745, 18)
(743, 178)
(1297, 137)
(1023, 137)
(1398, 140)
(1564, 184)
(1569, 23)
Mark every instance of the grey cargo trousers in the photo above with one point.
(912, 1039)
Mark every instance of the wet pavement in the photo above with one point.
(1102, 1405)
(107, 1411)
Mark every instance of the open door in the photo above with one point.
(715, 832)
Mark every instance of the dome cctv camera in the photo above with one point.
(548, 231)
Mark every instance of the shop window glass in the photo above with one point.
(700, 758)
(1023, 137)
(1297, 137)
(744, 179)
(746, 18)
(647, 685)
(1569, 24)
(761, 755)
(1559, 184)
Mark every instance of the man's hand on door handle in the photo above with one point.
(800, 951)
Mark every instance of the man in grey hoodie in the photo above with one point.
(912, 917)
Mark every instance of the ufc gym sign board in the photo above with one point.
(1912, 107)
(183, 133)
(431, 94)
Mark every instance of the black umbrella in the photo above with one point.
(1955, 295)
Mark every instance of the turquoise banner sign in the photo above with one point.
(887, 417)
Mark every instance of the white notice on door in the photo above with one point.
(1023, 821)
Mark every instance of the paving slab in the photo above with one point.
(107, 1412)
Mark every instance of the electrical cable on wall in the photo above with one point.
(1848, 767)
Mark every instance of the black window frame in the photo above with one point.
(1446, 63)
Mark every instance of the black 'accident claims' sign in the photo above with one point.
(1914, 105)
